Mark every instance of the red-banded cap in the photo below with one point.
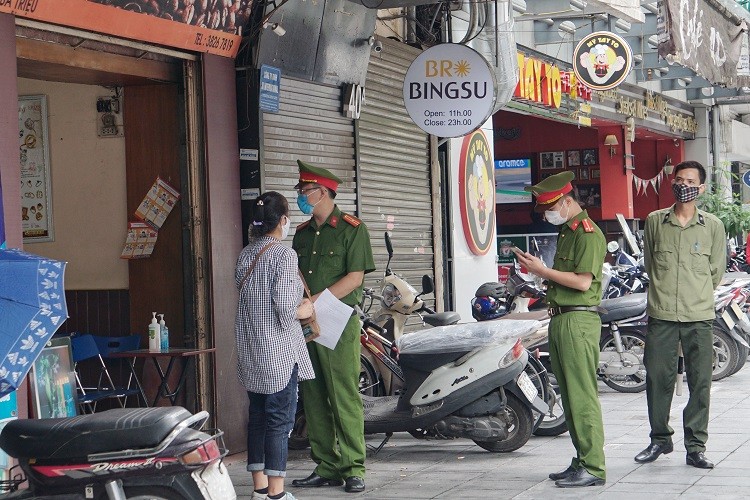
(548, 191)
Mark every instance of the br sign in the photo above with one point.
(449, 90)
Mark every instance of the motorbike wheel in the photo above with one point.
(369, 385)
(742, 354)
(553, 423)
(520, 424)
(634, 342)
(726, 355)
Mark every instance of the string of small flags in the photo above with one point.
(642, 185)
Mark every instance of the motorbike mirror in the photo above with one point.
(613, 246)
(389, 248)
(428, 285)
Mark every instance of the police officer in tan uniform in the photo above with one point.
(334, 252)
(573, 294)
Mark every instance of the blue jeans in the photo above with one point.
(270, 420)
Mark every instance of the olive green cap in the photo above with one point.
(551, 189)
(309, 173)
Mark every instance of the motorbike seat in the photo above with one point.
(442, 319)
(619, 308)
(77, 437)
(428, 361)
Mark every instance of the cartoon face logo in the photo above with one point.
(602, 60)
(477, 192)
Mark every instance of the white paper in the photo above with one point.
(332, 316)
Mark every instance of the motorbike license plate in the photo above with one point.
(527, 386)
(214, 482)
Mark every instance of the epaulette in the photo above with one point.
(351, 220)
(587, 226)
(303, 225)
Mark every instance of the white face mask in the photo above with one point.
(285, 228)
(555, 217)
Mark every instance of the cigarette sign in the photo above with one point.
(449, 90)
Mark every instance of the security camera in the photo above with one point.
(377, 46)
(276, 28)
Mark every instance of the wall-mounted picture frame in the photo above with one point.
(574, 158)
(53, 381)
(583, 174)
(552, 160)
(595, 173)
(36, 189)
(589, 157)
(589, 195)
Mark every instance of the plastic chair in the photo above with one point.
(87, 347)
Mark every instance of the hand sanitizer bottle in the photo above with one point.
(154, 337)
(164, 333)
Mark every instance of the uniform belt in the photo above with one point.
(554, 311)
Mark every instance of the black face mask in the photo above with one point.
(684, 193)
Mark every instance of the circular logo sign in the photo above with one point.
(476, 188)
(746, 178)
(602, 60)
(449, 90)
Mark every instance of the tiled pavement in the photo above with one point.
(408, 468)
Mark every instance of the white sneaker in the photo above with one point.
(258, 496)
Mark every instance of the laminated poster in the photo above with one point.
(140, 241)
(157, 204)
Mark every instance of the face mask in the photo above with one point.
(285, 228)
(684, 193)
(303, 204)
(555, 217)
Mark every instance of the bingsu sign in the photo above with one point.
(449, 90)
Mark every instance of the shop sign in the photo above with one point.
(449, 90)
(270, 84)
(697, 35)
(544, 83)
(477, 192)
(639, 108)
(200, 26)
(602, 60)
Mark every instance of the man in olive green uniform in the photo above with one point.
(334, 252)
(685, 258)
(573, 294)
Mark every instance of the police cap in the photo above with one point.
(548, 191)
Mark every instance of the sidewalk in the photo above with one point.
(408, 468)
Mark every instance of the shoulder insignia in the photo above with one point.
(303, 225)
(587, 226)
(574, 226)
(351, 220)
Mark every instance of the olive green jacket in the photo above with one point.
(684, 265)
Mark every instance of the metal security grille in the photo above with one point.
(309, 126)
(394, 166)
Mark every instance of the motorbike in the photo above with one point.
(625, 275)
(125, 453)
(622, 341)
(462, 381)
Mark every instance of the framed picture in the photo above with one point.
(583, 174)
(552, 160)
(53, 381)
(589, 195)
(574, 158)
(589, 157)
(36, 191)
(594, 173)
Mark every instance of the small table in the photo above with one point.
(164, 391)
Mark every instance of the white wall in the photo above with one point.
(469, 270)
(88, 188)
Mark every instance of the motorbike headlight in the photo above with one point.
(391, 295)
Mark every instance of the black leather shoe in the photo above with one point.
(314, 480)
(698, 459)
(354, 484)
(581, 477)
(556, 476)
(652, 452)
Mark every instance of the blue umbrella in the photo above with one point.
(32, 308)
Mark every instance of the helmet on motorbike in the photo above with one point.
(491, 289)
(486, 307)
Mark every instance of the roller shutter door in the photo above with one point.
(394, 166)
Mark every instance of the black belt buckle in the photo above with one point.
(553, 311)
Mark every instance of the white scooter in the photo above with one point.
(463, 381)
